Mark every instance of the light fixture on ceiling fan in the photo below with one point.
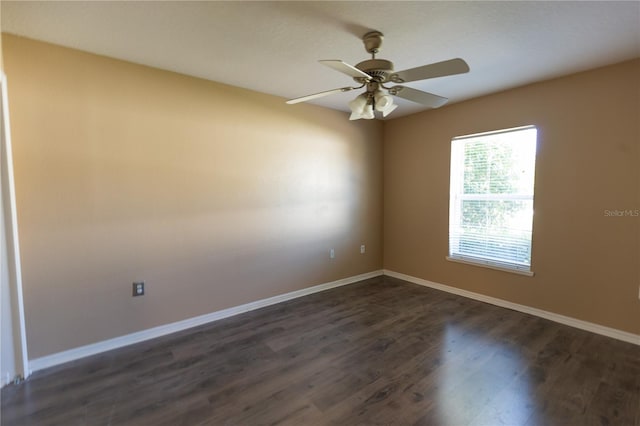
(374, 73)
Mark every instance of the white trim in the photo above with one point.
(487, 264)
(152, 333)
(13, 243)
(163, 330)
(495, 132)
(572, 322)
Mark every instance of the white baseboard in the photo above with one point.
(572, 322)
(5, 379)
(152, 333)
(163, 330)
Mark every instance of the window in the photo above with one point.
(491, 199)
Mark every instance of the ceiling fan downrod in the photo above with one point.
(378, 69)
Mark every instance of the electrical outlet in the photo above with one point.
(138, 288)
(332, 254)
(362, 249)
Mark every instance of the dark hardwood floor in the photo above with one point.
(379, 352)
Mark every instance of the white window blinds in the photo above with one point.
(491, 199)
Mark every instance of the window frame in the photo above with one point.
(457, 197)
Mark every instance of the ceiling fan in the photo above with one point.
(375, 73)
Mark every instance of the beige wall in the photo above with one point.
(218, 196)
(214, 195)
(586, 265)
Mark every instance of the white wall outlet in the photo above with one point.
(138, 288)
(332, 254)
(362, 249)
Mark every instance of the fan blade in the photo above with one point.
(319, 95)
(418, 96)
(345, 68)
(439, 69)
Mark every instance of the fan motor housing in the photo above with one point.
(379, 69)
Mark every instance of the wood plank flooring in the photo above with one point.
(379, 352)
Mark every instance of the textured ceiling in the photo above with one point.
(273, 47)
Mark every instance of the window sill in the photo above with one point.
(489, 266)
